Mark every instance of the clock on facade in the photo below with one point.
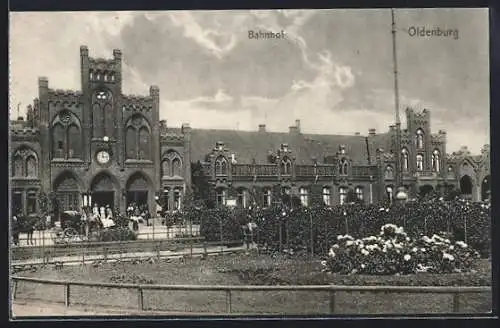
(103, 157)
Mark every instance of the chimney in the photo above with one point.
(262, 128)
(294, 129)
(371, 132)
(297, 124)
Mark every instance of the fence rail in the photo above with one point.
(330, 289)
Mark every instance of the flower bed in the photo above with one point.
(394, 252)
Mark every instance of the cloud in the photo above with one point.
(333, 71)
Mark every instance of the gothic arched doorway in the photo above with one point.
(67, 192)
(103, 190)
(486, 188)
(466, 185)
(138, 188)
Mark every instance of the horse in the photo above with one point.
(25, 224)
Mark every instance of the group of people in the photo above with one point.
(138, 213)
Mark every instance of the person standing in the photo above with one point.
(15, 230)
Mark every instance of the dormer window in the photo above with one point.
(284, 147)
(343, 167)
(286, 166)
(219, 146)
(221, 166)
(342, 149)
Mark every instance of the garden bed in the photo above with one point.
(255, 270)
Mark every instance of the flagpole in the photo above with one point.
(396, 103)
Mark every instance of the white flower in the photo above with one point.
(447, 241)
(414, 249)
(426, 239)
(363, 266)
(447, 256)
(335, 246)
(452, 248)
(407, 257)
(349, 243)
(323, 263)
(365, 252)
(461, 244)
(423, 250)
(331, 253)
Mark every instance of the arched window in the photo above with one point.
(165, 167)
(420, 162)
(31, 166)
(304, 199)
(17, 167)
(405, 159)
(420, 139)
(138, 138)
(102, 113)
(25, 163)
(327, 196)
(359, 193)
(436, 165)
(67, 142)
(389, 172)
(343, 168)
(176, 167)
(221, 166)
(144, 144)
(343, 195)
(130, 142)
(171, 164)
(74, 142)
(286, 166)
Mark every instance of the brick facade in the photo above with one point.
(114, 147)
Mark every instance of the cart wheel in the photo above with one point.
(70, 233)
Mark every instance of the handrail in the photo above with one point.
(338, 288)
(331, 289)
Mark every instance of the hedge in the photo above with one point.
(469, 222)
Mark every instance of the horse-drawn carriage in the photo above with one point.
(74, 227)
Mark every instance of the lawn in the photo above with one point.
(251, 269)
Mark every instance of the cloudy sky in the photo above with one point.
(333, 71)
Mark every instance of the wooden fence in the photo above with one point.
(331, 290)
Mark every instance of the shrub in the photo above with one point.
(220, 224)
(118, 234)
(392, 251)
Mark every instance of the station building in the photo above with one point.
(101, 145)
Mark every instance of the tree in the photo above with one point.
(201, 191)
